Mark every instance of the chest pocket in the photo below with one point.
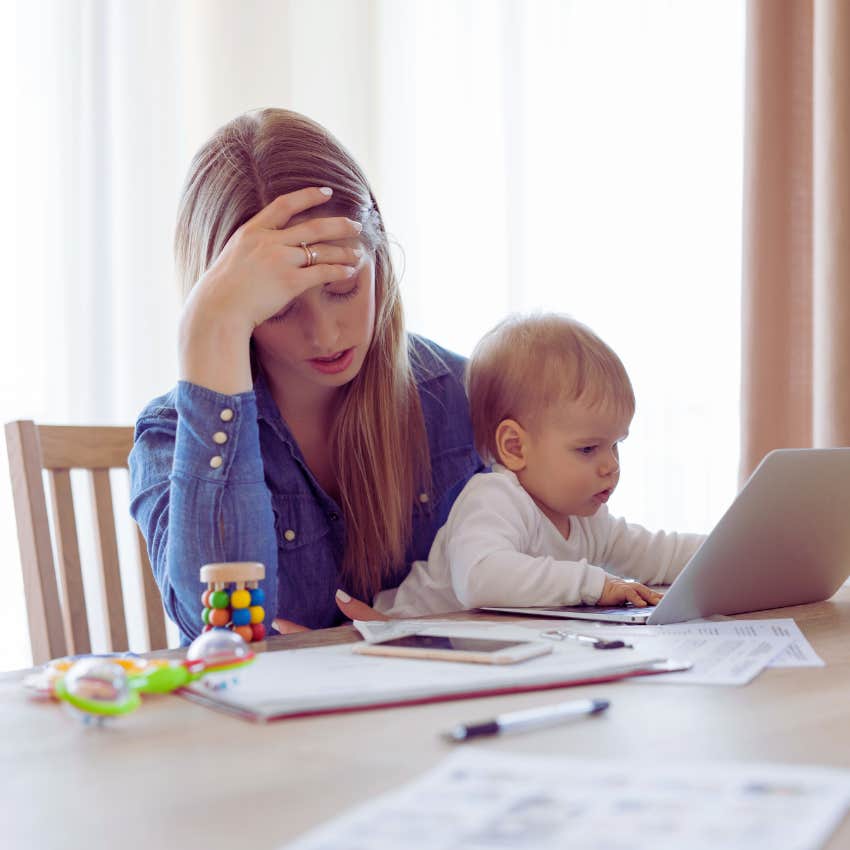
(300, 521)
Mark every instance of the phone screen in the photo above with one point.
(460, 644)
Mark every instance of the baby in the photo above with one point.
(550, 404)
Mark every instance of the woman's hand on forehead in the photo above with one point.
(266, 264)
(281, 260)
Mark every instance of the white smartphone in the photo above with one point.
(467, 649)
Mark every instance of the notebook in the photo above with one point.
(329, 679)
(784, 541)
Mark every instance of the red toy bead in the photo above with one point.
(258, 631)
(207, 627)
(244, 632)
(205, 599)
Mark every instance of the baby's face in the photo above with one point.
(572, 460)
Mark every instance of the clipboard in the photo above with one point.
(333, 679)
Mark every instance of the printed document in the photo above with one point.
(727, 652)
(485, 800)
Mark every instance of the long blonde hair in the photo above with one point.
(379, 446)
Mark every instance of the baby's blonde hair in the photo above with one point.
(526, 365)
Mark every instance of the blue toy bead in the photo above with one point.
(258, 596)
(241, 616)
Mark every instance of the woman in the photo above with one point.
(307, 431)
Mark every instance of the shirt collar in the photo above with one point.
(425, 362)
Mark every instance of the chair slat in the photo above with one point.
(68, 555)
(73, 447)
(107, 550)
(44, 614)
(154, 612)
(57, 613)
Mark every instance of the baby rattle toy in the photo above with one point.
(96, 687)
(233, 600)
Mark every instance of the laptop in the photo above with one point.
(785, 540)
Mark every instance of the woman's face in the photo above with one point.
(320, 339)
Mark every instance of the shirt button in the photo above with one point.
(220, 437)
(424, 497)
(289, 534)
(216, 462)
(226, 414)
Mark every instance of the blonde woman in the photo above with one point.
(307, 430)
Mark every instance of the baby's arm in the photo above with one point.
(649, 557)
(487, 539)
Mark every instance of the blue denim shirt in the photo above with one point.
(262, 503)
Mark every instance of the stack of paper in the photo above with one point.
(333, 678)
(721, 651)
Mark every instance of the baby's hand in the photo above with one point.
(619, 591)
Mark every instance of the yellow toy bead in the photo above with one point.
(240, 599)
(257, 614)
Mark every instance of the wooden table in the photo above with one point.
(175, 774)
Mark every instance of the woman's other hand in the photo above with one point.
(287, 627)
(354, 609)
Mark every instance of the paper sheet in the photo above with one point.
(727, 652)
(798, 653)
(484, 800)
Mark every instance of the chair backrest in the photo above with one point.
(56, 606)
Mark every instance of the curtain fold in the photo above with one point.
(796, 251)
(831, 421)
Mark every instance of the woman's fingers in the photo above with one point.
(322, 254)
(322, 230)
(354, 609)
(287, 627)
(278, 212)
(317, 275)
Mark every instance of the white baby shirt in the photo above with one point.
(498, 548)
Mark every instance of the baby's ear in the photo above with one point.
(510, 444)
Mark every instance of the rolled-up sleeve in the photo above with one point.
(199, 496)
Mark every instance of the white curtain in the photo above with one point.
(580, 156)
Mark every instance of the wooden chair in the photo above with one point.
(56, 607)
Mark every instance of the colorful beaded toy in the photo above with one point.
(232, 599)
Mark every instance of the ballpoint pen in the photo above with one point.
(523, 721)
(595, 642)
